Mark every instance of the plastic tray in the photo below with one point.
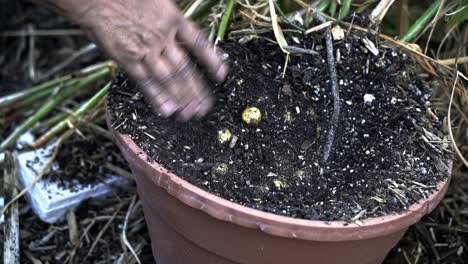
(2, 203)
(49, 200)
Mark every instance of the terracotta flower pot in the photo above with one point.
(188, 225)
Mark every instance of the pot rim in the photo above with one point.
(270, 223)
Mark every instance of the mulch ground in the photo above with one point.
(440, 238)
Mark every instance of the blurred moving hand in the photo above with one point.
(152, 41)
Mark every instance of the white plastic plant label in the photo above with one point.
(49, 200)
(2, 203)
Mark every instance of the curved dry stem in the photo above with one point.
(449, 121)
(380, 10)
(433, 25)
(124, 231)
(441, 44)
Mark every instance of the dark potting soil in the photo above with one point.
(83, 161)
(385, 156)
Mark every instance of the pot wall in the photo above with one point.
(182, 234)
(189, 225)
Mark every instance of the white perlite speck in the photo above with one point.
(296, 40)
(369, 98)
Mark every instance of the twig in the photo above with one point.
(192, 8)
(453, 61)
(119, 171)
(124, 230)
(73, 232)
(321, 6)
(96, 129)
(11, 228)
(449, 121)
(403, 17)
(138, 249)
(335, 92)
(32, 258)
(319, 27)
(426, 238)
(405, 255)
(285, 66)
(380, 10)
(103, 230)
(70, 59)
(294, 49)
(32, 48)
(433, 25)
(442, 42)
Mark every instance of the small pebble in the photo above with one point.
(369, 98)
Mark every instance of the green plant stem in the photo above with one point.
(344, 9)
(84, 108)
(225, 20)
(49, 122)
(47, 107)
(283, 15)
(27, 102)
(15, 97)
(34, 94)
(332, 8)
(323, 5)
(203, 9)
(421, 22)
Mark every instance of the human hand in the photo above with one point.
(152, 41)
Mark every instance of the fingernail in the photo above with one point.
(197, 109)
(168, 108)
(221, 73)
(190, 110)
(204, 107)
(184, 115)
(199, 112)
